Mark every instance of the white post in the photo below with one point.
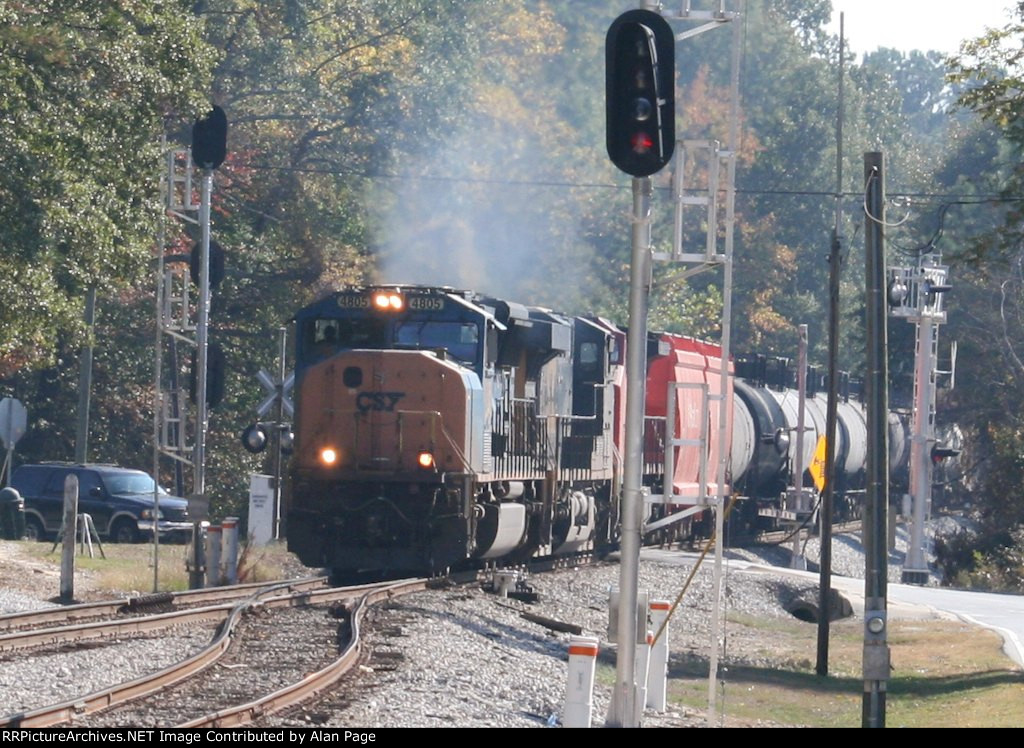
(213, 548)
(643, 662)
(657, 672)
(230, 529)
(580, 688)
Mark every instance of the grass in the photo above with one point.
(129, 568)
(944, 674)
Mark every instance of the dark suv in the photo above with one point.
(119, 500)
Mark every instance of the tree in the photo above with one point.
(84, 88)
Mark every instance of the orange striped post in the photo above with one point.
(657, 674)
(579, 693)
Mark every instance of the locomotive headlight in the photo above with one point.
(329, 456)
(425, 460)
(388, 302)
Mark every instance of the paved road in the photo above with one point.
(1001, 613)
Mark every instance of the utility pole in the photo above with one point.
(832, 407)
(876, 648)
(85, 380)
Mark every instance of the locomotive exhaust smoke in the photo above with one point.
(483, 220)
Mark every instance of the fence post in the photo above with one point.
(230, 530)
(213, 549)
(67, 560)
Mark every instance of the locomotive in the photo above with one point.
(436, 428)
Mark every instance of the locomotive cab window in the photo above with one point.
(588, 355)
(324, 337)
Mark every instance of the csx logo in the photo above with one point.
(379, 401)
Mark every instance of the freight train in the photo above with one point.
(436, 428)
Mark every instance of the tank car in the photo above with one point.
(766, 425)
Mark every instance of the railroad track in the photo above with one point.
(228, 616)
(341, 610)
(70, 614)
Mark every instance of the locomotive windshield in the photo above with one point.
(460, 339)
(326, 336)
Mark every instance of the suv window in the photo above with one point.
(55, 485)
(30, 478)
(130, 483)
(87, 481)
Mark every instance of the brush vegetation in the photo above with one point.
(944, 674)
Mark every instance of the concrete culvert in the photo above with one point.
(805, 607)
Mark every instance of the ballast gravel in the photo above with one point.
(463, 657)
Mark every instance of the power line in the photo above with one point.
(945, 197)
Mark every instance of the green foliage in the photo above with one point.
(460, 144)
(84, 87)
(984, 560)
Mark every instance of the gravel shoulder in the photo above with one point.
(466, 658)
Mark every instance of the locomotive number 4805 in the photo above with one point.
(353, 301)
(426, 303)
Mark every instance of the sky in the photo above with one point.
(917, 24)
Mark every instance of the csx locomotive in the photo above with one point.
(437, 427)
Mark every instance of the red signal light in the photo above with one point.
(641, 143)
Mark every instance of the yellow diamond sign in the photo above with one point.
(817, 467)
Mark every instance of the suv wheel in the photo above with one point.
(34, 529)
(125, 531)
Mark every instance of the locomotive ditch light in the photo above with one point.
(425, 460)
(329, 456)
(254, 438)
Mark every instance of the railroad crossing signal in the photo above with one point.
(272, 387)
(255, 437)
